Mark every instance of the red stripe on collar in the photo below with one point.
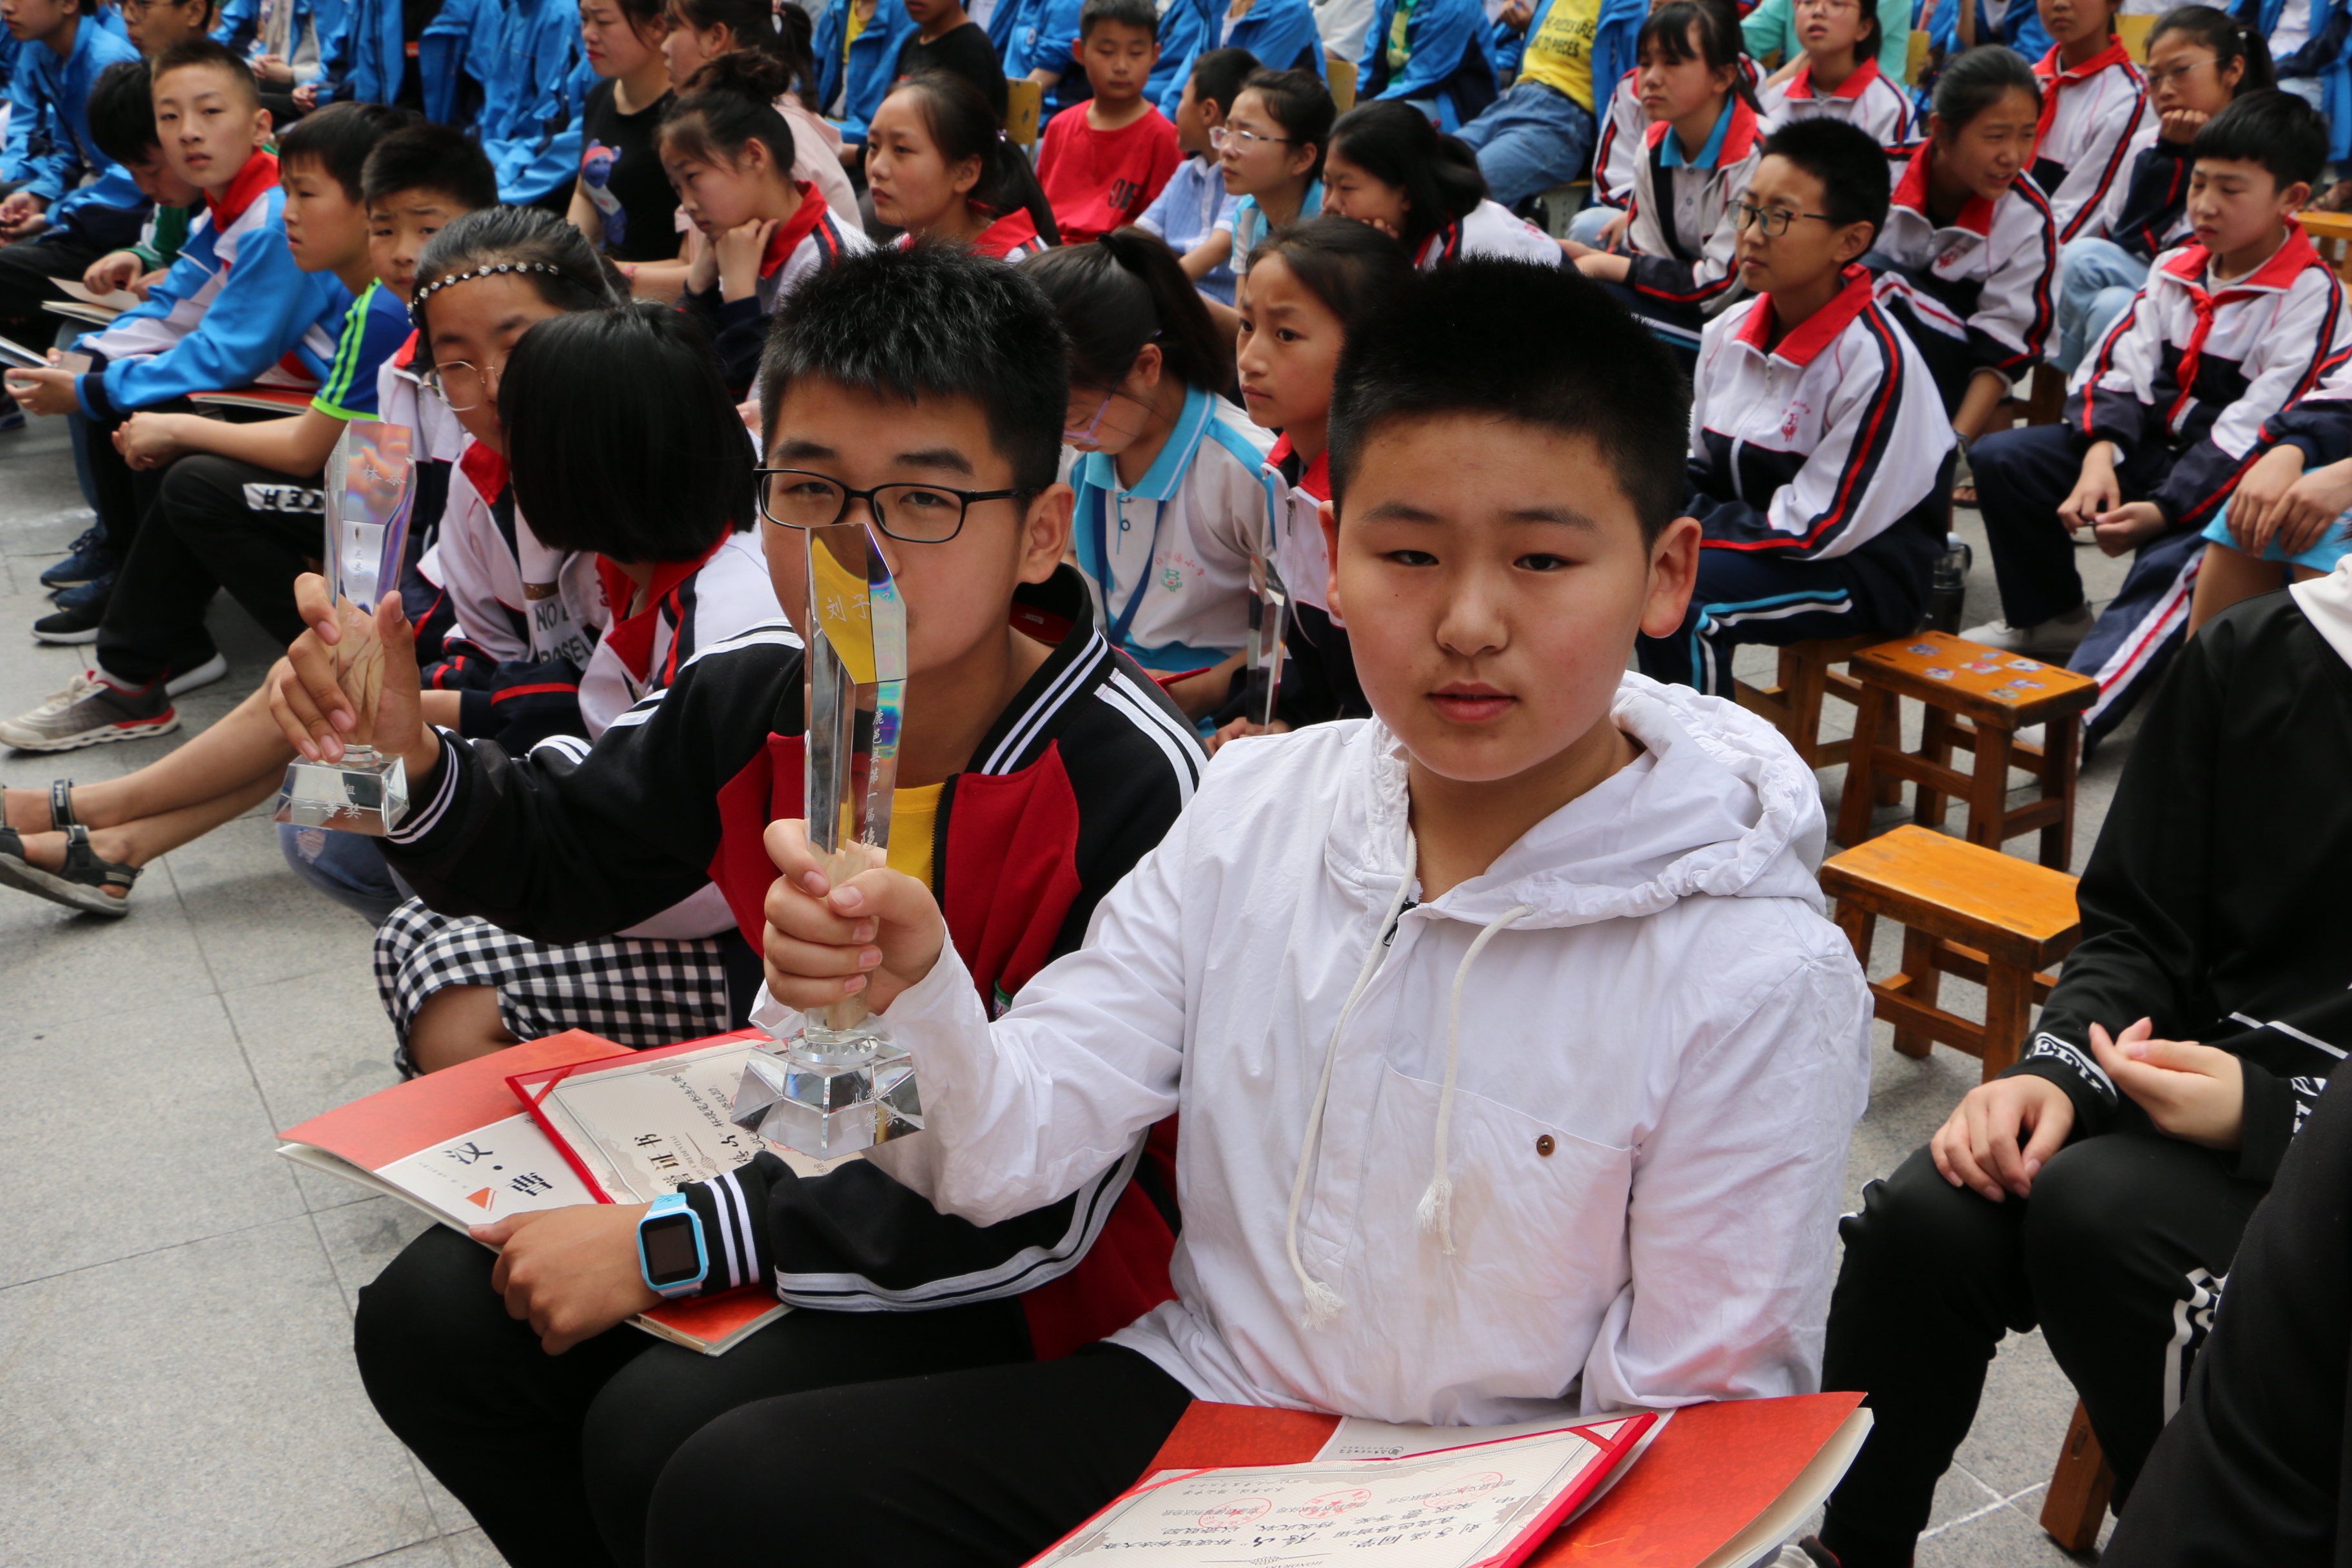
(2054, 79)
(1911, 190)
(793, 230)
(405, 355)
(631, 636)
(1741, 137)
(1816, 332)
(484, 469)
(1313, 480)
(260, 173)
(1854, 86)
(2287, 263)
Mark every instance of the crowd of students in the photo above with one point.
(1508, 964)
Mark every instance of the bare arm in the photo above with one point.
(296, 447)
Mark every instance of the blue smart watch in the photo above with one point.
(670, 1253)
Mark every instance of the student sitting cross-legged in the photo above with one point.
(919, 392)
(2169, 411)
(1819, 455)
(1515, 1056)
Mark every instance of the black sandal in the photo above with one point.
(61, 816)
(81, 884)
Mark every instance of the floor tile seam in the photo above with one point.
(157, 1251)
(441, 1535)
(1994, 1507)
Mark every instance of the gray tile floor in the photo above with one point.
(176, 1382)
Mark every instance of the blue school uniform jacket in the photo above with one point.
(1615, 35)
(1184, 27)
(441, 52)
(2017, 24)
(850, 91)
(2322, 55)
(1445, 57)
(534, 79)
(48, 149)
(233, 309)
(1280, 33)
(363, 60)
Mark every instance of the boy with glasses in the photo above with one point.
(1818, 453)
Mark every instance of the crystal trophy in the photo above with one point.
(839, 1085)
(1269, 620)
(370, 485)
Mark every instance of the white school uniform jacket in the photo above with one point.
(1868, 99)
(1984, 286)
(401, 399)
(1817, 445)
(1490, 229)
(2089, 118)
(1624, 130)
(1634, 1047)
(1681, 235)
(516, 600)
(2198, 366)
(1300, 553)
(1167, 562)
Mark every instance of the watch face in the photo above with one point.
(671, 1256)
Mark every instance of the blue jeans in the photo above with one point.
(1530, 140)
(2096, 280)
(1589, 220)
(346, 867)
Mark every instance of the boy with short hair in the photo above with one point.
(1101, 166)
(1375, 964)
(1820, 457)
(1036, 767)
(2167, 412)
(1186, 211)
(122, 123)
(236, 506)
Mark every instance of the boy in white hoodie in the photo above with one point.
(1514, 1058)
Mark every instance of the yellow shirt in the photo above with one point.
(913, 814)
(1559, 54)
(857, 20)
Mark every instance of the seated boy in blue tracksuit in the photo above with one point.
(1281, 34)
(854, 74)
(1431, 53)
(232, 310)
(1821, 459)
(523, 59)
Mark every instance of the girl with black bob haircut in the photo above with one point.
(1172, 483)
(938, 166)
(1389, 167)
(757, 232)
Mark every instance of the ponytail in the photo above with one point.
(1122, 291)
(2229, 39)
(961, 125)
(729, 104)
(1396, 144)
(783, 31)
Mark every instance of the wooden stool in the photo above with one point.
(1965, 910)
(1977, 700)
(2077, 1503)
(1809, 674)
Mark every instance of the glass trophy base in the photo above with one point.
(365, 792)
(828, 1098)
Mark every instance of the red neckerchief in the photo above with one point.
(484, 469)
(405, 354)
(1818, 330)
(1446, 242)
(260, 173)
(1801, 84)
(631, 636)
(793, 230)
(1911, 190)
(2056, 78)
(1314, 481)
(2188, 266)
(1014, 229)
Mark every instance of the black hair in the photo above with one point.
(1545, 346)
(1139, 14)
(1396, 144)
(1124, 291)
(337, 137)
(1847, 160)
(643, 17)
(196, 49)
(783, 31)
(423, 156)
(1355, 269)
(1301, 104)
(728, 105)
(1976, 79)
(2270, 127)
(2229, 39)
(931, 320)
(122, 113)
(962, 125)
(1873, 37)
(531, 238)
(1668, 30)
(1219, 76)
(586, 396)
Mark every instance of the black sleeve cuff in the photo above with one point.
(2266, 1123)
(733, 1209)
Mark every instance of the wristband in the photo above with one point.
(670, 1253)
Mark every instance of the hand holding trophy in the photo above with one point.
(839, 1085)
(368, 492)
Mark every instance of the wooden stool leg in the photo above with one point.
(2077, 1503)
(2062, 758)
(1934, 746)
(1921, 980)
(1860, 926)
(2008, 1009)
(1989, 792)
(1804, 680)
(1889, 790)
(1853, 807)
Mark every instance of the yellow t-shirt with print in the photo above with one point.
(1559, 54)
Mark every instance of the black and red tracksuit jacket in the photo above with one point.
(1078, 777)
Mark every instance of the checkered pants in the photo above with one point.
(636, 992)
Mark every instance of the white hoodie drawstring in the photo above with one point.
(1436, 1210)
(1323, 1303)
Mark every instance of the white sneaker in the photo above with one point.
(205, 674)
(2059, 635)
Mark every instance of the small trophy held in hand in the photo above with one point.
(370, 485)
(839, 1085)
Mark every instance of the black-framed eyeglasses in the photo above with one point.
(913, 514)
(1774, 221)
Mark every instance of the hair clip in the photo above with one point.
(488, 269)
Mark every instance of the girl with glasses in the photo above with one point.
(1173, 496)
(1840, 79)
(1271, 149)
